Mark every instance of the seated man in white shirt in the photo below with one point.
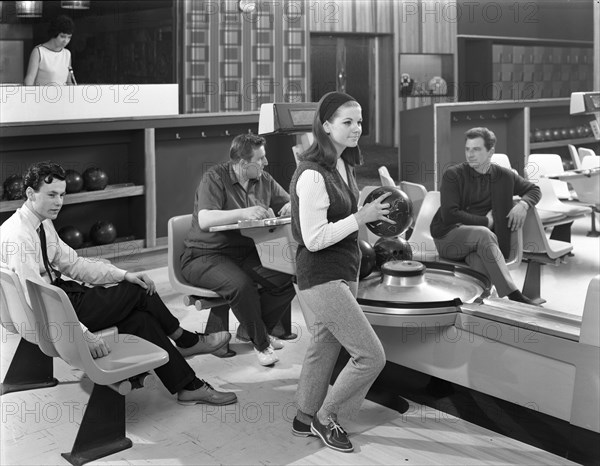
(32, 249)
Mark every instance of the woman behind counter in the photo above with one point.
(50, 62)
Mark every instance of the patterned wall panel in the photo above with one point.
(236, 61)
(230, 58)
(262, 88)
(540, 72)
(295, 52)
(197, 52)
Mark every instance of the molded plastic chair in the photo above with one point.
(416, 193)
(584, 152)
(538, 249)
(31, 366)
(574, 156)
(423, 245)
(501, 159)
(201, 298)
(385, 177)
(548, 164)
(102, 429)
(549, 202)
(421, 241)
(590, 162)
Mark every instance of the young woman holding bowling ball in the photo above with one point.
(325, 223)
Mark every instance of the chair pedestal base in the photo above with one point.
(102, 429)
(593, 233)
(29, 369)
(531, 285)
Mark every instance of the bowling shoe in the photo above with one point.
(276, 343)
(205, 395)
(207, 343)
(299, 429)
(332, 434)
(266, 357)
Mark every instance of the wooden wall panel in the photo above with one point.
(351, 16)
(438, 20)
(385, 17)
(408, 27)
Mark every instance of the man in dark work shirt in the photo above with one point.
(226, 261)
(476, 216)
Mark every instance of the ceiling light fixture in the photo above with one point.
(28, 9)
(75, 4)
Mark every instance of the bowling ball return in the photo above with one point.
(438, 321)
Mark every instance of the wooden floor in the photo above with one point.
(39, 425)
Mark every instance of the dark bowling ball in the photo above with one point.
(74, 181)
(72, 236)
(388, 249)
(13, 187)
(367, 260)
(401, 211)
(94, 179)
(103, 233)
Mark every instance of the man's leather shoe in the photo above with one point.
(224, 352)
(299, 429)
(206, 343)
(287, 336)
(205, 395)
(332, 434)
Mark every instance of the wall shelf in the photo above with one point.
(110, 192)
(433, 136)
(153, 164)
(119, 250)
(561, 143)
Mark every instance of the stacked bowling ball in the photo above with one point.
(389, 246)
(94, 179)
(74, 181)
(554, 134)
(367, 259)
(103, 233)
(72, 236)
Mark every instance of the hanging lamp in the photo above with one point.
(29, 9)
(75, 4)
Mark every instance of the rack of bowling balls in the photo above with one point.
(92, 179)
(556, 134)
(389, 246)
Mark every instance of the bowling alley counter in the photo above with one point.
(153, 165)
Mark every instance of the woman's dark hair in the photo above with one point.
(42, 172)
(244, 145)
(489, 138)
(322, 149)
(61, 24)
